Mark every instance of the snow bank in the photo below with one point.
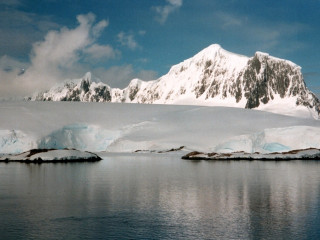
(123, 127)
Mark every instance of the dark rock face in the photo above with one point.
(265, 76)
(102, 94)
(74, 95)
(85, 84)
(133, 92)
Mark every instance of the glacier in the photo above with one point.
(123, 127)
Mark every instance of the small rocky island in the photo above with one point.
(299, 154)
(51, 155)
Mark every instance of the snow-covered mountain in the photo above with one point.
(213, 77)
(83, 90)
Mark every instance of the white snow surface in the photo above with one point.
(115, 127)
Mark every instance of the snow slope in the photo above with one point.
(125, 127)
(213, 77)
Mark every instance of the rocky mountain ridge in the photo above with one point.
(213, 77)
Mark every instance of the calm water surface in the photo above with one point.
(160, 197)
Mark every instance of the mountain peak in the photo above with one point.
(261, 55)
(210, 51)
(214, 46)
(87, 77)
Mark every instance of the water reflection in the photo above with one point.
(156, 197)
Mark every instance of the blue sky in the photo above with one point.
(119, 40)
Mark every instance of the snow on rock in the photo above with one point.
(213, 77)
(51, 155)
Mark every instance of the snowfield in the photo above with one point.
(113, 127)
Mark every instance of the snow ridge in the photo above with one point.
(213, 77)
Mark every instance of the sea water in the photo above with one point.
(160, 196)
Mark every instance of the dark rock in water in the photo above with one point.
(163, 151)
(172, 150)
(193, 156)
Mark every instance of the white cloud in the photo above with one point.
(96, 30)
(147, 75)
(55, 58)
(10, 69)
(120, 76)
(97, 52)
(10, 64)
(142, 32)
(164, 11)
(127, 39)
(229, 20)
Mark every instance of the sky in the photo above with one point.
(43, 42)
